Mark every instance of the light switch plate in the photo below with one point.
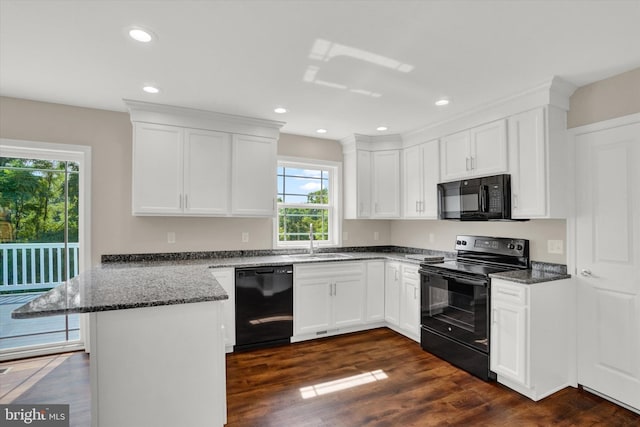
(171, 237)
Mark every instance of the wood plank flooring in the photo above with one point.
(266, 387)
(373, 378)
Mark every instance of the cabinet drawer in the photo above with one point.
(508, 292)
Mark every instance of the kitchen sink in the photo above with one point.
(319, 256)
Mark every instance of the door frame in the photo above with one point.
(572, 231)
(82, 155)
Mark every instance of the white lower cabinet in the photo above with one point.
(375, 292)
(226, 278)
(402, 299)
(410, 302)
(531, 336)
(392, 293)
(328, 297)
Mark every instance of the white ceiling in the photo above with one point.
(347, 66)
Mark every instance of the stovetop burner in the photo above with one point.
(481, 256)
(470, 268)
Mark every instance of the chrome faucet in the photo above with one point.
(310, 239)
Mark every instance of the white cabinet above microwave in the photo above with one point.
(474, 152)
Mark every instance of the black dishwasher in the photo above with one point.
(264, 306)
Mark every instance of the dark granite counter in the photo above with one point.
(538, 274)
(147, 280)
(118, 287)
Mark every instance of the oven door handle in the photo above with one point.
(474, 281)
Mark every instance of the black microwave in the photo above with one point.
(476, 199)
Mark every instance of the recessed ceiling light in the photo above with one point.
(280, 110)
(151, 89)
(381, 128)
(140, 35)
(442, 102)
(321, 131)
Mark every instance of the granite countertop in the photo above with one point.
(117, 287)
(531, 276)
(135, 282)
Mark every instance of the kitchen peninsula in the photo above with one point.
(156, 340)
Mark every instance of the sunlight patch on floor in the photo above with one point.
(342, 384)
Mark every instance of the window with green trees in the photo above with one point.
(32, 200)
(306, 196)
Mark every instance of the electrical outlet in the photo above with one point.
(171, 237)
(245, 237)
(555, 246)
(345, 235)
(432, 238)
(376, 236)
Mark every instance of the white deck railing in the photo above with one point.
(35, 265)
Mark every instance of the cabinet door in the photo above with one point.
(348, 300)
(489, 149)
(254, 174)
(430, 179)
(509, 341)
(386, 184)
(207, 160)
(312, 299)
(412, 169)
(527, 156)
(363, 185)
(392, 293)
(226, 278)
(375, 291)
(157, 169)
(410, 302)
(455, 157)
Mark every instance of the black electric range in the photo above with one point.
(456, 299)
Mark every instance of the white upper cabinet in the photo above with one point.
(421, 174)
(371, 177)
(537, 157)
(386, 184)
(157, 169)
(207, 159)
(254, 176)
(479, 151)
(200, 163)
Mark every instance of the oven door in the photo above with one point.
(456, 306)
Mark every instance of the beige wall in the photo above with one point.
(441, 235)
(606, 99)
(114, 230)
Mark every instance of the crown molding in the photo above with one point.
(149, 112)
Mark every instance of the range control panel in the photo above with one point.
(494, 245)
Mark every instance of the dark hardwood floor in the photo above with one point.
(373, 378)
(266, 387)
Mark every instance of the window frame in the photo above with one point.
(334, 205)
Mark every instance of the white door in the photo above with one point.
(608, 261)
(363, 184)
(254, 172)
(207, 156)
(157, 169)
(348, 301)
(386, 184)
(455, 158)
(392, 294)
(412, 180)
(489, 149)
